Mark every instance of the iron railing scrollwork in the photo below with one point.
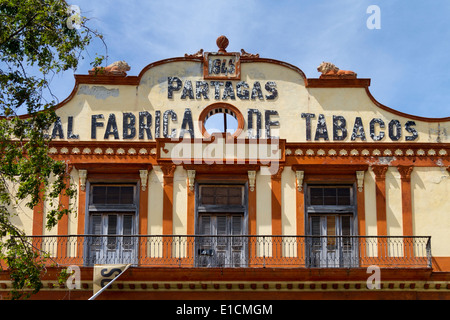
(237, 251)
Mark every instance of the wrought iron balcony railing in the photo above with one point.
(237, 251)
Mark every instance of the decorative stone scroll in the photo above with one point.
(252, 180)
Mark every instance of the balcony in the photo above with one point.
(191, 251)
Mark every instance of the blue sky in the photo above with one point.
(407, 58)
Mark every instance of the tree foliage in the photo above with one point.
(36, 43)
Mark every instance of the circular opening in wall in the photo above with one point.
(221, 118)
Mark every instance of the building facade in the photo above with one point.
(224, 175)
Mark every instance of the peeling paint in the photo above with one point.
(385, 160)
(99, 92)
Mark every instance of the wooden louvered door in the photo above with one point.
(331, 244)
(219, 244)
(117, 246)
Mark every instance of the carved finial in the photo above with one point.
(222, 42)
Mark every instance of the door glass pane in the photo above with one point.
(112, 230)
(235, 196)
(329, 196)
(99, 195)
(221, 225)
(316, 196)
(207, 195)
(346, 228)
(96, 224)
(126, 195)
(344, 196)
(113, 195)
(205, 225)
(315, 226)
(236, 229)
(127, 230)
(222, 229)
(96, 229)
(221, 195)
(331, 232)
(346, 231)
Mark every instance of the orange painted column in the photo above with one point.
(380, 194)
(190, 223)
(276, 213)
(300, 217)
(63, 223)
(168, 171)
(81, 211)
(143, 218)
(38, 217)
(38, 222)
(405, 174)
(252, 216)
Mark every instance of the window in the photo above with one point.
(331, 212)
(221, 118)
(112, 224)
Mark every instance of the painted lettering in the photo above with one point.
(339, 125)
(57, 129)
(376, 137)
(187, 90)
(414, 134)
(70, 134)
(358, 130)
(308, 117)
(173, 116)
(173, 84)
(187, 122)
(111, 128)
(321, 129)
(95, 124)
(250, 113)
(145, 123)
(395, 130)
(269, 123)
(129, 125)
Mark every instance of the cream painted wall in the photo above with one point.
(73, 218)
(431, 207)
(21, 216)
(263, 204)
(155, 202)
(288, 202)
(180, 201)
(370, 203)
(394, 220)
